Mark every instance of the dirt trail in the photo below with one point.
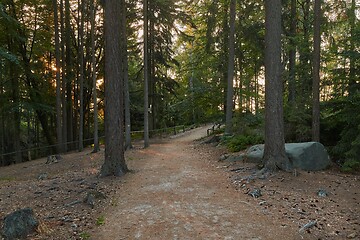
(176, 193)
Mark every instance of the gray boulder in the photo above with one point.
(309, 156)
(19, 224)
(255, 153)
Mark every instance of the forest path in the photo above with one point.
(176, 192)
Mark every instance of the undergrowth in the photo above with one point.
(241, 142)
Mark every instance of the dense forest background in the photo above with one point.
(52, 71)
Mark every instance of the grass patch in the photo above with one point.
(7, 179)
(85, 235)
(100, 221)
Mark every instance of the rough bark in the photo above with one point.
(292, 54)
(126, 80)
(274, 152)
(316, 74)
(114, 164)
(146, 77)
(93, 68)
(2, 118)
(58, 80)
(81, 76)
(69, 73)
(230, 74)
(353, 84)
(63, 77)
(305, 55)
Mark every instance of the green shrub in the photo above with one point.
(241, 142)
(351, 166)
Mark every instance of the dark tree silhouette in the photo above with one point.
(274, 152)
(114, 164)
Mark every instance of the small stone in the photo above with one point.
(352, 235)
(53, 159)
(262, 203)
(255, 193)
(322, 193)
(90, 200)
(42, 176)
(223, 157)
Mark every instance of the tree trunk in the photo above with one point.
(81, 66)
(69, 74)
(15, 95)
(191, 85)
(151, 69)
(305, 55)
(316, 74)
(225, 56)
(58, 80)
(2, 122)
(63, 76)
(146, 77)
(93, 68)
(353, 84)
(256, 79)
(114, 164)
(230, 75)
(274, 152)
(126, 81)
(292, 54)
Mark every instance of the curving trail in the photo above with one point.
(176, 192)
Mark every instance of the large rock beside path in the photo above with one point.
(19, 224)
(310, 156)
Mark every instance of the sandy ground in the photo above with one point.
(178, 189)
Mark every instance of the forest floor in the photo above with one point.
(178, 189)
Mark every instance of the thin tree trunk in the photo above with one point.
(81, 65)
(305, 55)
(126, 81)
(256, 78)
(93, 68)
(2, 122)
(274, 152)
(230, 74)
(146, 77)
(63, 76)
(292, 54)
(151, 69)
(114, 164)
(69, 74)
(353, 85)
(316, 74)
(58, 80)
(225, 55)
(15, 95)
(191, 84)
(128, 144)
